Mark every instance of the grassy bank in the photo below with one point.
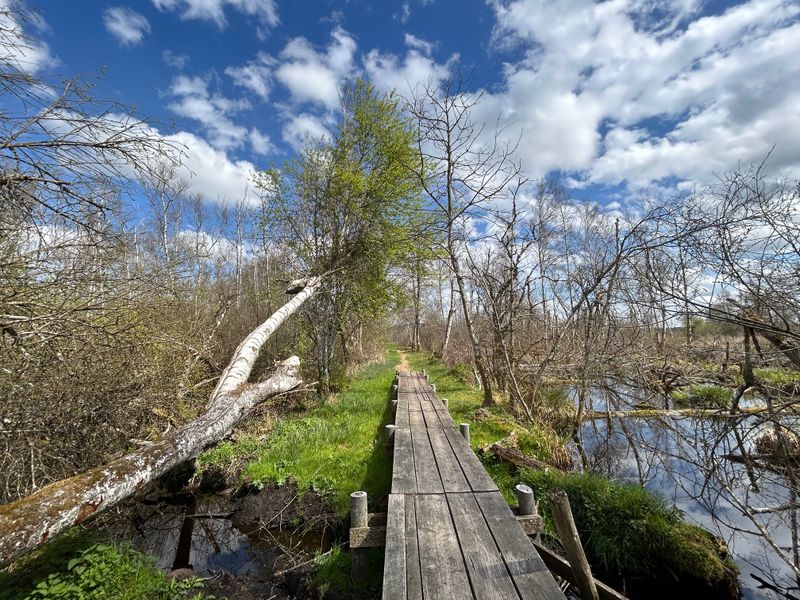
(334, 448)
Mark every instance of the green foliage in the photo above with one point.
(75, 567)
(335, 448)
(703, 396)
(348, 208)
(629, 530)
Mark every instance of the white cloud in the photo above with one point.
(390, 72)
(126, 25)
(173, 59)
(20, 50)
(631, 90)
(214, 10)
(303, 126)
(418, 44)
(314, 76)
(213, 112)
(255, 76)
(260, 142)
(211, 173)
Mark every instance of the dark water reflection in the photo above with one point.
(683, 459)
(199, 534)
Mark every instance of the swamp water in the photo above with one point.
(214, 538)
(686, 461)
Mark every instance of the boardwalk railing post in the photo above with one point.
(359, 517)
(394, 391)
(464, 429)
(568, 534)
(446, 403)
(433, 385)
(525, 500)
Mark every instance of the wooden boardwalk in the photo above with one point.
(449, 532)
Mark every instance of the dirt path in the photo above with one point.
(403, 366)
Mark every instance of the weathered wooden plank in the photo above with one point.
(404, 480)
(404, 396)
(416, 420)
(413, 570)
(445, 418)
(533, 580)
(476, 475)
(431, 416)
(443, 571)
(394, 565)
(452, 476)
(401, 417)
(428, 479)
(488, 575)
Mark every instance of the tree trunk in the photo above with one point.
(448, 328)
(35, 519)
(480, 366)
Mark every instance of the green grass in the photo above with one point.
(77, 567)
(335, 448)
(777, 377)
(703, 396)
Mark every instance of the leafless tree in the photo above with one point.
(463, 169)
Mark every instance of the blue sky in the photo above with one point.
(618, 98)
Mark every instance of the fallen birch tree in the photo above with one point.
(35, 519)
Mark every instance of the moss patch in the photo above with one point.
(628, 530)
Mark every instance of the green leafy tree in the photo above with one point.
(345, 209)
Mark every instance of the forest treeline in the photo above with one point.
(123, 295)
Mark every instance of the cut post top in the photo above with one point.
(525, 500)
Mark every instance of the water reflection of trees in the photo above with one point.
(716, 470)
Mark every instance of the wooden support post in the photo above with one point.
(433, 385)
(525, 500)
(359, 517)
(424, 374)
(464, 428)
(394, 391)
(568, 534)
(446, 403)
(389, 443)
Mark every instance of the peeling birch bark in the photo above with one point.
(35, 519)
